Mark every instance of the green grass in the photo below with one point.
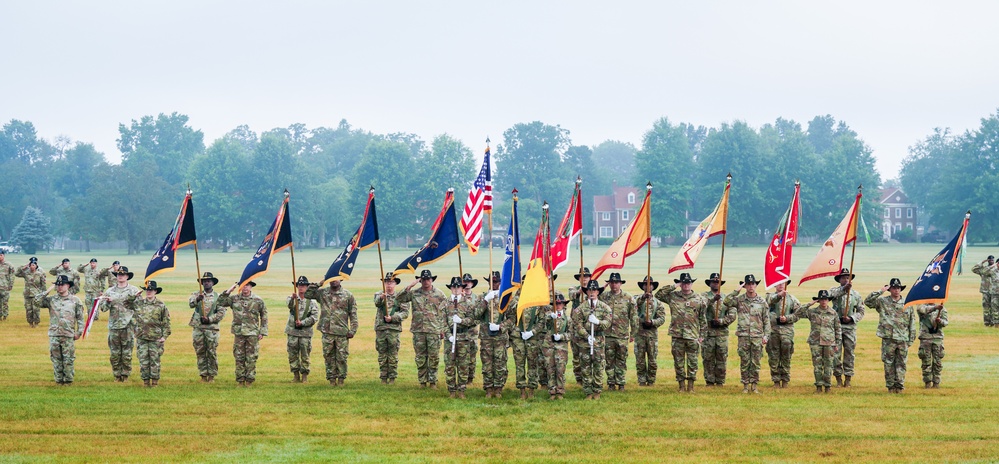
(184, 420)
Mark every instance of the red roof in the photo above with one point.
(888, 196)
(621, 198)
(603, 203)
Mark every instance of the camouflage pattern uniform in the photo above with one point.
(300, 338)
(338, 324)
(494, 344)
(526, 353)
(621, 332)
(6, 285)
(753, 325)
(65, 325)
(456, 362)
(473, 347)
(593, 364)
(989, 290)
(152, 327)
(824, 339)
(249, 324)
(714, 349)
(34, 283)
(647, 339)
(205, 337)
(69, 273)
(931, 348)
(387, 334)
(845, 357)
(576, 296)
(898, 328)
(687, 327)
(93, 285)
(780, 346)
(555, 353)
(121, 328)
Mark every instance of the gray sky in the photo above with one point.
(604, 70)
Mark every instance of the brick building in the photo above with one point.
(612, 213)
(898, 213)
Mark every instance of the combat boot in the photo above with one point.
(530, 393)
(839, 381)
(589, 397)
(249, 382)
(204, 378)
(818, 389)
(391, 382)
(827, 389)
(755, 391)
(498, 393)
(552, 396)
(929, 385)
(333, 383)
(241, 383)
(745, 388)
(452, 395)
(620, 387)
(305, 377)
(489, 392)
(523, 393)
(298, 377)
(777, 384)
(422, 384)
(558, 396)
(683, 386)
(846, 381)
(211, 378)
(145, 383)
(596, 396)
(690, 386)
(433, 385)
(461, 394)
(936, 385)
(155, 383)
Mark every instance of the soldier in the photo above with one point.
(526, 346)
(338, 324)
(824, 339)
(427, 326)
(389, 315)
(540, 334)
(590, 320)
(302, 316)
(553, 347)
(651, 316)
(93, 284)
(121, 327)
(621, 333)
(34, 283)
(152, 327)
(577, 295)
(205, 321)
(780, 347)
(849, 304)
(932, 320)
(65, 327)
(473, 332)
(6, 285)
(108, 274)
(249, 326)
(494, 340)
(989, 271)
(898, 328)
(67, 270)
(460, 311)
(753, 330)
(717, 317)
(687, 326)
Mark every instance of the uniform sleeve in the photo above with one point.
(943, 317)
(78, 312)
(979, 268)
(400, 312)
(730, 299)
(633, 317)
(263, 317)
(21, 271)
(166, 322)
(766, 324)
(352, 314)
(224, 300)
(55, 270)
(41, 299)
(860, 312)
(913, 326)
(311, 313)
(660, 313)
(193, 300)
(663, 293)
(729, 315)
(405, 297)
(872, 301)
(837, 292)
(838, 329)
(607, 322)
(217, 312)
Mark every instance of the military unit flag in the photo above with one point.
(570, 228)
(536, 289)
(933, 284)
(480, 200)
(829, 261)
(715, 224)
(443, 239)
(365, 237)
(510, 277)
(777, 265)
(181, 235)
(634, 237)
(278, 237)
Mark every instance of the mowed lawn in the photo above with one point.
(276, 420)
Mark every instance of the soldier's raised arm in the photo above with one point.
(730, 299)
(872, 300)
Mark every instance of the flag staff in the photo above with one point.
(648, 264)
(197, 262)
(381, 267)
(546, 253)
(853, 252)
(489, 216)
(579, 199)
(721, 266)
(461, 271)
(783, 301)
(294, 275)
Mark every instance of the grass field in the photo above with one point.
(276, 420)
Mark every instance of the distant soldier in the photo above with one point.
(121, 326)
(591, 319)
(108, 274)
(389, 314)
(717, 319)
(898, 328)
(494, 338)
(460, 316)
(753, 330)
(249, 326)
(577, 295)
(67, 270)
(427, 325)
(621, 332)
(65, 327)
(6, 285)
(205, 321)
(651, 316)
(686, 328)
(824, 339)
(473, 332)
(932, 320)
(93, 284)
(152, 327)
(849, 304)
(526, 346)
(302, 316)
(553, 348)
(34, 283)
(338, 324)
(780, 347)
(989, 272)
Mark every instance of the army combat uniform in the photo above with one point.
(647, 338)
(458, 341)
(898, 328)
(387, 334)
(686, 328)
(990, 291)
(526, 353)
(753, 325)
(249, 325)
(34, 283)
(72, 275)
(714, 349)
(493, 350)
(300, 336)
(205, 337)
(576, 296)
(338, 324)
(93, 284)
(591, 355)
(152, 324)
(824, 338)
(619, 335)
(555, 349)
(121, 329)
(427, 326)
(780, 346)
(845, 358)
(6, 285)
(931, 337)
(65, 325)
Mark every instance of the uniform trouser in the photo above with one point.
(246, 350)
(299, 353)
(336, 348)
(456, 364)
(62, 351)
(616, 354)
(750, 352)
(387, 344)
(473, 351)
(556, 355)
(577, 365)
(843, 361)
(121, 341)
(526, 357)
(931, 352)
(894, 354)
(780, 348)
(91, 296)
(149, 353)
(206, 344)
(427, 347)
(31, 310)
(593, 366)
(494, 356)
(4, 304)
(822, 364)
(542, 364)
(715, 354)
(684, 358)
(990, 308)
(646, 352)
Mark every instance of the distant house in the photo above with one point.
(613, 213)
(898, 213)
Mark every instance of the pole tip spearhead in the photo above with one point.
(450, 190)
(487, 140)
(371, 189)
(648, 186)
(545, 205)
(579, 180)
(729, 177)
(967, 215)
(286, 194)
(797, 182)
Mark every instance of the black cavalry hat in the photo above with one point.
(302, 280)
(468, 278)
(207, 276)
(714, 277)
(585, 271)
(495, 278)
(642, 283)
(455, 282)
(425, 274)
(122, 271)
(594, 285)
(844, 272)
(63, 279)
(685, 278)
(390, 276)
(151, 285)
(559, 299)
(750, 279)
(823, 295)
(894, 282)
(615, 277)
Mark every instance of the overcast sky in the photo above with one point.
(604, 70)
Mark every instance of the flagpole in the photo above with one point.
(579, 198)
(648, 263)
(721, 266)
(294, 275)
(461, 271)
(797, 185)
(489, 215)
(853, 253)
(197, 262)
(381, 267)
(546, 252)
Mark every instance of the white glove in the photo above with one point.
(450, 338)
(456, 319)
(492, 294)
(557, 337)
(494, 327)
(590, 339)
(551, 315)
(593, 319)
(526, 335)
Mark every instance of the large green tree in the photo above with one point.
(34, 232)
(530, 160)
(167, 142)
(221, 184)
(384, 165)
(667, 161)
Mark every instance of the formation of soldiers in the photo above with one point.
(595, 324)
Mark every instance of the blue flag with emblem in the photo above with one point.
(443, 239)
(181, 235)
(278, 237)
(933, 284)
(510, 278)
(365, 237)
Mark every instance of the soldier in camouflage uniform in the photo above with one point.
(302, 316)
(65, 327)
(540, 333)
(121, 327)
(526, 345)
(427, 326)
(249, 326)
(93, 284)
(753, 330)
(824, 338)
(460, 315)
(473, 332)
(108, 274)
(932, 320)
(898, 327)
(850, 315)
(494, 340)
(621, 333)
(717, 317)
(6, 285)
(989, 272)
(780, 347)
(577, 295)
(205, 321)
(152, 327)
(651, 316)
(687, 327)
(67, 270)
(34, 283)
(389, 314)
(338, 323)
(554, 351)
(590, 320)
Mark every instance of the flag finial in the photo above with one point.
(967, 215)
(371, 189)
(579, 180)
(648, 186)
(545, 205)
(797, 182)
(729, 177)
(487, 140)
(514, 194)
(189, 191)
(286, 194)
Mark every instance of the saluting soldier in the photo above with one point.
(718, 317)
(249, 326)
(6, 285)
(780, 347)
(67, 270)
(849, 304)
(34, 283)
(577, 294)
(651, 316)
(121, 326)
(988, 270)
(93, 284)
(108, 274)
(65, 327)
(473, 332)
(898, 328)
(824, 338)
(590, 320)
(932, 320)
(621, 332)
(152, 327)
(553, 346)
(302, 316)
(686, 327)
(495, 338)
(338, 323)
(204, 323)
(460, 315)
(427, 326)
(753, 330)
(389, 315)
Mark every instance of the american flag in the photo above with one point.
(480, 199)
